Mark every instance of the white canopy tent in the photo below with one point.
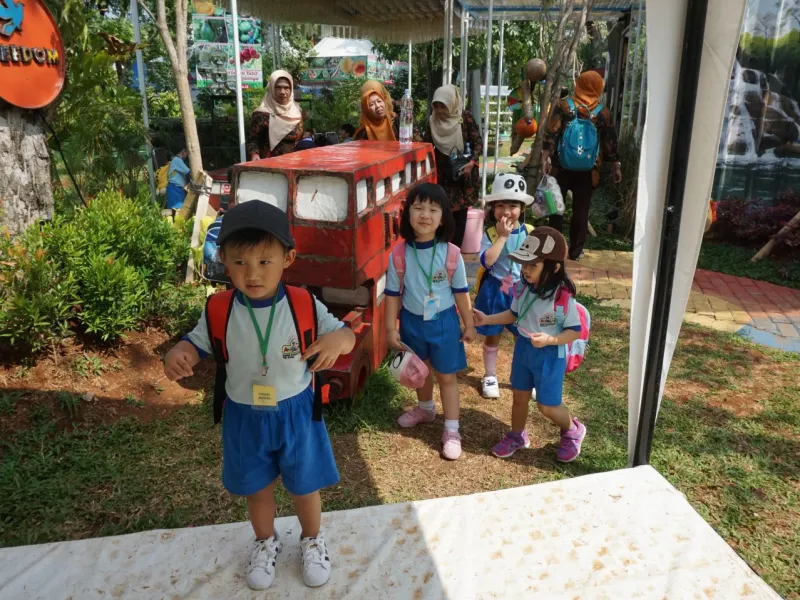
(630, 533)
(334, 47)
(673, 202)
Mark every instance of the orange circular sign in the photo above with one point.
(32, 62)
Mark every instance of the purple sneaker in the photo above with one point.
(570, 446)
(510, 443)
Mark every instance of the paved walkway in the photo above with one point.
(768, 314)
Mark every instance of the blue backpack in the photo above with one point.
(580, 144)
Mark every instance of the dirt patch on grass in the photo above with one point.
(99, 385)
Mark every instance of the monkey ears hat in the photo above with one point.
(543, 243)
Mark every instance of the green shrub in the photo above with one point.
(177, 308)
(36, 296)
(114, 296)
(111, 261)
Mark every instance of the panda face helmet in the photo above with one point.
(509, 187)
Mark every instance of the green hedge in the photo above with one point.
(100, 270)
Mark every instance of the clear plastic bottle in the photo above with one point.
(406, 118)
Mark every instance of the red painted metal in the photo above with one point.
(354, 253)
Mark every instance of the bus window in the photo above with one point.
(420, 171)
(380, 191)
(362, 196)
(427, 163)
(322, 198)
(397, 182)
(408, 174)
(272, 188)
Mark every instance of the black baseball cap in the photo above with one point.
(259, 215)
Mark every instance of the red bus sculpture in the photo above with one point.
(344, 204)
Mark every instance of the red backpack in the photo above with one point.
(399, 260)
(304, 313)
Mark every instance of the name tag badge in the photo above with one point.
(264, 395)
(430, 309)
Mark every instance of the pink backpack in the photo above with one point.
(577, 349)
(399, 260)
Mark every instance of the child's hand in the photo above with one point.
(540, 340)
(470, 333)
(328, 348)
(393, 340)
(478, 318)
(504, 227)
(178, 363)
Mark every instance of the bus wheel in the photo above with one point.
(359, 374)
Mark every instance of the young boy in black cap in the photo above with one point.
(255, 331)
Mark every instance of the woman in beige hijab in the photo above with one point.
(451, 127)
(277, 124)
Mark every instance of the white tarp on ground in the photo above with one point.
(665, 19)
(618, 535)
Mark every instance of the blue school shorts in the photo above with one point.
(538, 368)
(491, 301)
(260, 443)
(438, 340)
(175, 196)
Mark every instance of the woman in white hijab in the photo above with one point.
(451, 127)
(277, 124)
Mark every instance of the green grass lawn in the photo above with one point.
(728, 436)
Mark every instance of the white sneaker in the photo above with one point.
(261, 569)
(533, 394)
(316, 562)
(489, 387)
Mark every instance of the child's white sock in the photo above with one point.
(489, 360)
(427, 405)
(451, 425)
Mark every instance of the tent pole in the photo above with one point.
(499, 95)
(683, 122)
(642, 93)
(629, 114)
(137, 38)
(447, 47)
(410, 58)
(486, 102)
(238, 64)
(462, 70)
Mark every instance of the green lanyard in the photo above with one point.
(527, 307)
(428, 276)
(262, 340)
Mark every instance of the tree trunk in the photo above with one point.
(176, 50)
(562, 59)
(26, 195)
(793, 224)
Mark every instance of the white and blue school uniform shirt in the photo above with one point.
(178, 177)
(260, 443)
(288, 372)
(491, 299)
(178, 172)
(541, 369)
(504, 266)
(438, 339)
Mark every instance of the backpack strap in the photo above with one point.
(218, 313)
(528, 228)
(561, 304)
(451, 262)
(304, 314)
(596, 110)
(491, 233)
(571, 104)
(399, 261)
